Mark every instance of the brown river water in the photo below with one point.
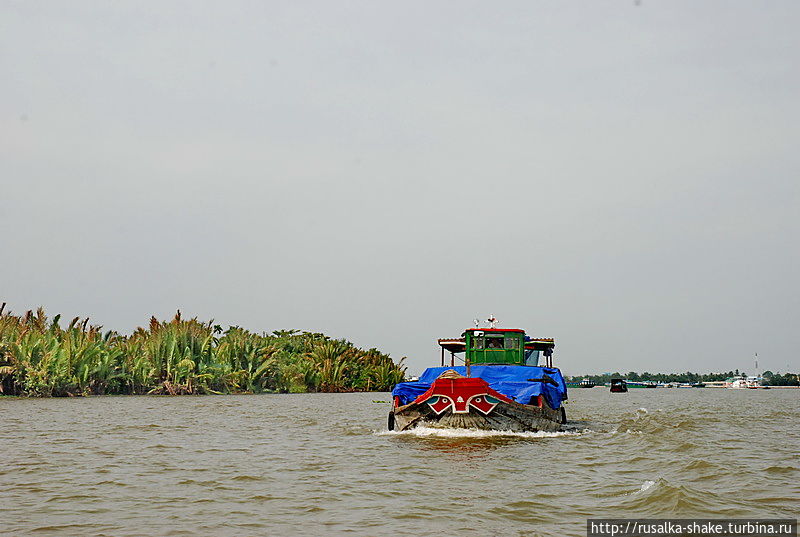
(324, 464)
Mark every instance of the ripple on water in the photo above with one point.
(245, 477)
(699, 465)
(781, 470)
(660, 498)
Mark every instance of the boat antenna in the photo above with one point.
(491, 320)
(477, 322)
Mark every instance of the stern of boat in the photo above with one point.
(454, 401)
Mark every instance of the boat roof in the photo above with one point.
(460, 344)
(494, 330)
(453, 344)
(541, 342)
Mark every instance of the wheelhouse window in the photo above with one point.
(477, 343)
(512, 343)
(494, 342)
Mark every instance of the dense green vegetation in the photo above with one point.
(39, 357)
(774, 379)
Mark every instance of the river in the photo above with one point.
(324, 464)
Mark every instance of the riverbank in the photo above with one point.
(709, 379)
(40, 358)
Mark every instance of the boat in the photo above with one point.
(743, 383)
(619, 386)
(501, 386)
(586, 383)
(640, 384)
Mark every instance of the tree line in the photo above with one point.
(774, 379)
(40, 357)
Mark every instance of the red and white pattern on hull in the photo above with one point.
(460, 394)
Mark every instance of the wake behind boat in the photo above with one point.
(500, 387)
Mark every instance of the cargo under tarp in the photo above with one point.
(513, 381)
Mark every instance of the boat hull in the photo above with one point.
(455, 402)
(504, 417)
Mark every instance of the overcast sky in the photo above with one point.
(624, 178)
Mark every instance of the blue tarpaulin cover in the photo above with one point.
(510, 380)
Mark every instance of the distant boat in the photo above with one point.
(743, 383)
(618, 386)
(586, 383)
(699, 385)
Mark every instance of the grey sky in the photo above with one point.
(622, 178)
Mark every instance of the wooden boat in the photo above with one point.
(499, 387)
(618, 386)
